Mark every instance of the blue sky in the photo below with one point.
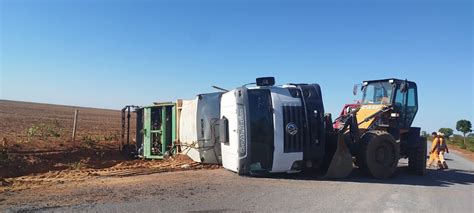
(111, 53)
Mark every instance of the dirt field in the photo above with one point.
(36, 146)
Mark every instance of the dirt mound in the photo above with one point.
(123, 169)
(34, 162)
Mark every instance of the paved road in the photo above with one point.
(223, 191)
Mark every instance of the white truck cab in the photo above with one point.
(271, 129)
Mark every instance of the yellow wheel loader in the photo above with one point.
(377, 132)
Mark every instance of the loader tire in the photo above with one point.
(417, 158)
(378, 155)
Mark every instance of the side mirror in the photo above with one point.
(363, 89)
(223, 130)
(354, 90)
(404, 87)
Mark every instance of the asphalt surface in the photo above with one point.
(219, 190)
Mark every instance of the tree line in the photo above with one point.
(464, 126)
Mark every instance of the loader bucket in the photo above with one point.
(340, 165)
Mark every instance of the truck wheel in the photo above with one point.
(417, 158)
(379, 153)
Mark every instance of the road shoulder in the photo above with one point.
(463, 153)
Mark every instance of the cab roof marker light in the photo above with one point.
(366, 83)
(391, 81)
(265, 81)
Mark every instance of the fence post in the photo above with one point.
(75, 126)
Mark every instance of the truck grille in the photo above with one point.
(294, 128)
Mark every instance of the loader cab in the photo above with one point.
(400, 95)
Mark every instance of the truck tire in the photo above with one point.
(378, 154)
(417, 158)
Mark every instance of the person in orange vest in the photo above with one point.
(442, 148)
(434, 152)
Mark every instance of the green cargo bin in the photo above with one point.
(156, 130)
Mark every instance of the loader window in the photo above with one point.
(400, 106)
(399, 99)
(411, 102)
(407, 105)
(412, 106)
(377, 93)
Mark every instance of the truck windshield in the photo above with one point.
(261, 127)
(377, 93)
(261, 116)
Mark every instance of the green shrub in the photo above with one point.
(31, 132)
(49, 131)
(43, 131)
(111, 137)
(457, 140)
(88, 141)
(76, 165)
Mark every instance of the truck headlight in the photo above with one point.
(241, 130)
